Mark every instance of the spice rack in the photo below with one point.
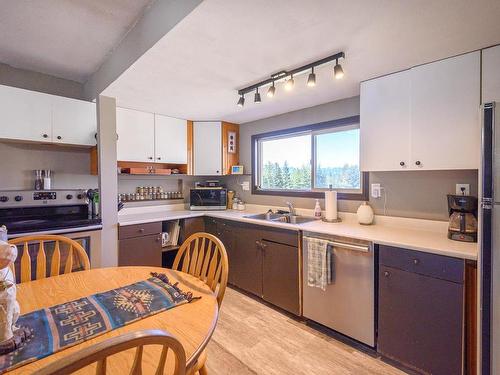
(150, 193)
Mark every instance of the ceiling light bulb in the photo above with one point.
(257, 96)
(289, 84)
(241, 101)
(338, 72)
(311, 80)
(271, 91)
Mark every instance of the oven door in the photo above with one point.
(208, 199)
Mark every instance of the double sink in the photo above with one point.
(282, 218)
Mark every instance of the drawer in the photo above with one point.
(438, 266)
(139, 230)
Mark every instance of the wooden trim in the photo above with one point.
(183, 168)
(190, 148)
(228, 159)
(94, 161)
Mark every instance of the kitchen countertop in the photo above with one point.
(415, 234)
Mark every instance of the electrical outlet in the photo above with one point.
(245, 185)
(462, 189)
(376, 191)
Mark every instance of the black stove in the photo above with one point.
(37, 211)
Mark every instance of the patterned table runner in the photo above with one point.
(61, 326)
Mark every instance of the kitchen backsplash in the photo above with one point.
(70, 166)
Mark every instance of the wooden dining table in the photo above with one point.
(192, 323)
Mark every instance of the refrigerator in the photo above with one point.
(489, 237)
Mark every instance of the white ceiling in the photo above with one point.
(67, 39)
(194, 71)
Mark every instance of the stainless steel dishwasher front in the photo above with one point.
(348, 303)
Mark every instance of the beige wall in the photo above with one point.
(29, 80)
(419, 194)
(70, 166)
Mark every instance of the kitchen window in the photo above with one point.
(306, 161)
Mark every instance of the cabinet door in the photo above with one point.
(385, 123)
(225, 232)
(246, 262)
(140, 251)
(420, 321)
(491, 74)
(170, 140)
(74, 122)
(207, 139)
(280, 276)
(136, 134)
(25, 115)
(445, 116)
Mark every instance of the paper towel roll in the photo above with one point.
(330, 205)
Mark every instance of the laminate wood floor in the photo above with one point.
(252, 338)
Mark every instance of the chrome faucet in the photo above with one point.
(291, 208)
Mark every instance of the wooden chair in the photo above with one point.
(101, 351)
(204, 256)
(75, 250)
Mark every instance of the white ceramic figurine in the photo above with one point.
(9, 307)
(11, 337)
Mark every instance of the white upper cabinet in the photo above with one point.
(136, 132)
(170, 140)
(385, 123)
(445, 116)
(74, 122)
(491, 75)
(25, 115)
(424, 118)
(207, 139)
(34, 116)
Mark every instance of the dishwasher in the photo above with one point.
(348, 303)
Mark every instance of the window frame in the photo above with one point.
(313, 129)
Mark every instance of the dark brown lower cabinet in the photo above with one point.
(280, 276)
(262, 260)
(420, 313)
(140, 251)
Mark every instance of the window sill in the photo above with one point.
(311, 194)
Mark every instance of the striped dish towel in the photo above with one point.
(319, 262)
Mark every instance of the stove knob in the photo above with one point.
(69, 196)
(18, 198)
(80, 196)
(4, 198)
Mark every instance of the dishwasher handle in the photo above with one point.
(349, 246)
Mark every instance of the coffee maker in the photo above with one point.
(463, 218)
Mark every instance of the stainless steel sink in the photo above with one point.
(283, 218)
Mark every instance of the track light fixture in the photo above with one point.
(287, 78)
(338, 72)
(311, 80)
(271, 91)
(289, 83)
(257, 96)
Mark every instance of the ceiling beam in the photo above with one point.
(157, 21)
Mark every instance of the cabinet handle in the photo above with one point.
(387, 274)
(416, 261)
(158, 239)
(263, 246)
(402, 163)
(150, 157)
(158, 158)
(217, 172)
(141, 230)
(418, 162)
(258, 243)
(59, 137)
(45, 136)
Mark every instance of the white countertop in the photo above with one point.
(416, 234)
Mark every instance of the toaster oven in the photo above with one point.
(201, 199)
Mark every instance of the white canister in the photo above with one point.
(241, 206)
(365, 214)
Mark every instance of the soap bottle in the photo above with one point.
(317, 210)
